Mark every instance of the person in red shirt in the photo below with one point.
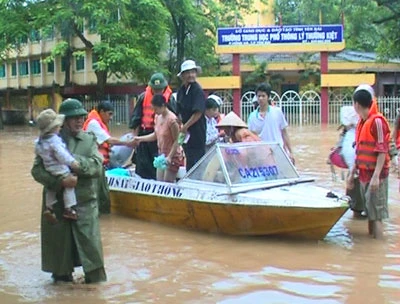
(372, 160)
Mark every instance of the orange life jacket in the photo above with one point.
(398, 139)
(104, 148)
(147, 110)
(366, 157)
(374, 107)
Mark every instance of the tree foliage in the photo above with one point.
(389, 23)
(192, 29)
(139, 37)
(362, 31)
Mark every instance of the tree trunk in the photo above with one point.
(68, 60)
(101, 84)
(1, 118)
(180, 45)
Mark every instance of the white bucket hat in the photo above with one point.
(366, 87)
(48, 120)
(188, 65)
(216, 98)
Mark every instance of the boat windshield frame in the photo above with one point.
(241, 166)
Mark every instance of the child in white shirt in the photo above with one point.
(57, 160)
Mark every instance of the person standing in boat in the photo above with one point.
(166, 131)
(191, 105)
(97, 123)
(68, 244)
(269, 122)
(372, 160)
(142, 123)
(212, 115)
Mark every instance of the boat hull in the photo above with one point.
(232, 219)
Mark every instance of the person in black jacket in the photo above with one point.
(191, 105)
(142, 123)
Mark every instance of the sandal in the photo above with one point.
(50, 216)
(70, 214)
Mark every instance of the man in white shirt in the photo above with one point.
(268, 121)
(97, 123)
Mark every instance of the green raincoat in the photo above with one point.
(68, 244)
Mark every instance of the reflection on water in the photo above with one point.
(150, 263)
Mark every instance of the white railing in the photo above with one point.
(299, 109)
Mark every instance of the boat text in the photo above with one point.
(144, 186)
(265, 171)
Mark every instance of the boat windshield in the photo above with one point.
(243, 163)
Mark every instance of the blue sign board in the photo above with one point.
(286, 34)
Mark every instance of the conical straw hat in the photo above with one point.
(232, 120)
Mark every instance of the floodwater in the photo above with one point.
(150, 263)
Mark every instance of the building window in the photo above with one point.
(94, 62)
(63, 63)
(80, 63)
(22, 40)
(2, 71)
(92, 25)
(80, 26)
(48, 33)
(50, 67)
(23, 68)
(14, 69)
(35, 67)
(34, 36)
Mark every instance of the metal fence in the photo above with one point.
(122, 108)
(299, 109)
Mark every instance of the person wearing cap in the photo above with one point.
(236, 129)
(191, 103)
(57, 160)
(142, 123)
(269, 122)
(372, 160)
(68, 244)
(213, 103)
(97, 122)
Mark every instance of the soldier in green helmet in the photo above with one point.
(68, 244)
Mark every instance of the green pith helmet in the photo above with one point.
(72, 107)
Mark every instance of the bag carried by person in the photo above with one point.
(336, 158)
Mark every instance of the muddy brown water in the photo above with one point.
(150, 263)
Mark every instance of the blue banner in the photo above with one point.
(286, 34)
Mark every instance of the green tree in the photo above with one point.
(15, 25)
(361, 33)
(193, 25)
(132, 33)
(389, 23)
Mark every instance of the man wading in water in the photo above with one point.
(68, 244)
